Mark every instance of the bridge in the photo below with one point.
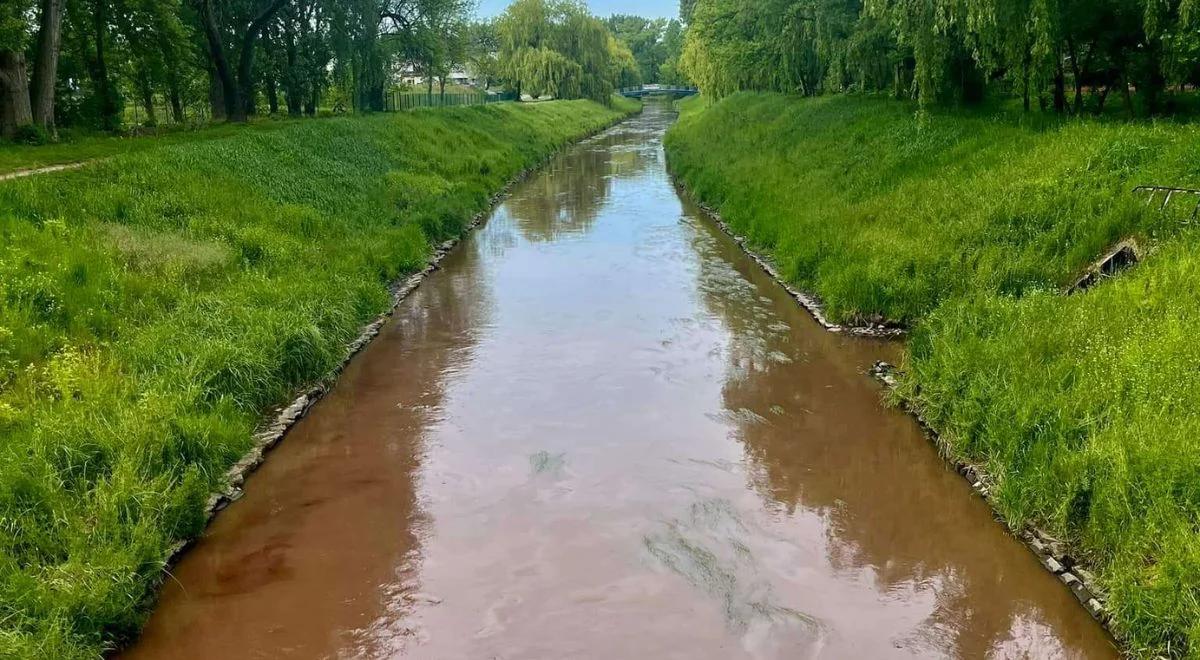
(656, 90)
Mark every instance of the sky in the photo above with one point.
(601, 8)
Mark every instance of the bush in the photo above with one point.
(32, 134)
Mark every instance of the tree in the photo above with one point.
(15, 109)
(246, 22)
(669, 72)
(45, 65)
(946, 51)
(644, 39)
(482, 46)
(439, 37)
(558, 48)
(524, 31)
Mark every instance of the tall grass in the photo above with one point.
(152, 306)
(1085, 409)
(74, 147)
(882, 214)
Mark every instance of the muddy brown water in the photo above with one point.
(600, 431)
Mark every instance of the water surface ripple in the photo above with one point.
(600, 431)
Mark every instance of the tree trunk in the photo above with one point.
(272, 94)
(146, 91)
(109, 112)
(1125, 94)
(442, 88)
(219, 69)
(245, 78)
(45, 67)
(216, 95)
(1101, 98)
(314, 72)
(174, 95)
(14, 93)
(1077, 76)
(291, 78)
(1060, 87)
(170, 57)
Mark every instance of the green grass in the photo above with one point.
(78, 147)
(1085, 409)
(154, 305)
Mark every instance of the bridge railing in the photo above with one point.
(658, 89)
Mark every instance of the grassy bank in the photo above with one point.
(74, 148)
(1083, 408)
(152, 306)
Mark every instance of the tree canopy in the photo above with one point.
(654, 42)
(1065, 55)
(84, 62)
(102, 63)
(557, 48)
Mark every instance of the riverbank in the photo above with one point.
(967, 227)
(156, 304)
(598, 389)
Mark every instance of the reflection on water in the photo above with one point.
(566, 197)
(888, 509)
(600, 431)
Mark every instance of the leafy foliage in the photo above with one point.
(146, 62)
(556, 48)
(947, 51)
(654, 43)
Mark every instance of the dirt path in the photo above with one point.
(18, 174)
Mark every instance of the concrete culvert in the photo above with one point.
(1120, 257)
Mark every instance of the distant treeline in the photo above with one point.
(84, 63)
(81, 62)
(1060, 55)
(656, 44)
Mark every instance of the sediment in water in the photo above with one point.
(277, 424)
(1052, 553)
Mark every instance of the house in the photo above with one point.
(411, 74)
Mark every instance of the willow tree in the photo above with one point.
(524, 33)
(557, 47)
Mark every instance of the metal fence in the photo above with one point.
(398, 101)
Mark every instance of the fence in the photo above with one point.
(398, 101)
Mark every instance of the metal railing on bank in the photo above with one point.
(398, 101)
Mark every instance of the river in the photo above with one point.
(601, 431)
